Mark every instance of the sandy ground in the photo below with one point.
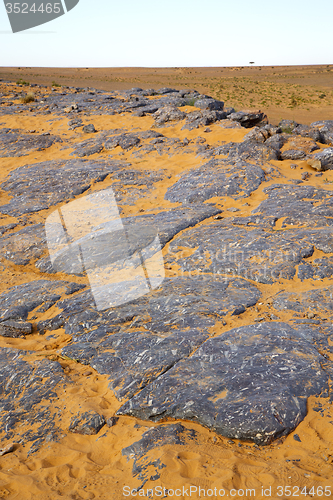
(92, 467)
(301, 93)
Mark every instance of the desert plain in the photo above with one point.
(185, 159)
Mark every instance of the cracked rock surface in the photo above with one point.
(225, 222)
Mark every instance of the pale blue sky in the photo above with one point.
(151, 33)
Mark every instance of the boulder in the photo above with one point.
(321, 161)
(249, 119)
(168, 114)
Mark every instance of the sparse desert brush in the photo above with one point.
(55, 84)
(22, 82)
(191, 101)
(28, 98)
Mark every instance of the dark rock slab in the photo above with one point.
(15, 329)
(28, 391)
(249, 150)
(125, 141)
(249, 383)
(53, 182)
(318, 301)
(18, 301)
(293, 154)
(15, 143)
(216, 178)
(136, 342)
(298, 205)
(87, 423)
(222, 247)
(24, 245)
(208, 103)
(84, 150)
(196, 119)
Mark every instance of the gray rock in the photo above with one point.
(163, 328)
(87, 423)
(15, 329)
(19, 300)
(293, 154)
(326, 131)
(197, 119)
(322, 161)
(288, 126)
(168, 114)
(216, 178)
(81, 152)
(249, 119)
(15, 143)
(256, 252)
(249, 383)
(209, 104)
(54, 182)
(28, 395)
(257, 134)
(89, 129)
(125, 141)
(298, 205)
(318, 300)
(308, 131)
(24, 245)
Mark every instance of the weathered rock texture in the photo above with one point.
(171, 352)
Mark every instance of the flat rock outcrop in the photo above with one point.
(218, 215)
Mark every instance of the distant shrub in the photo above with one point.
(28, 98)
(22, 82)
(55, 84)
(287, 130)
(191, 101)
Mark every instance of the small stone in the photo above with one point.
(15, 329)
(186, 141)
(297, 438)
(305, 176)
(7, 449)
(89, 129)
(293, 165)
(87, 423)
(87, 373)
(310, 315)
(231, 441)
(233, 209)
(207, 130)
(112, 421)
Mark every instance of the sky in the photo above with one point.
(175, 33)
